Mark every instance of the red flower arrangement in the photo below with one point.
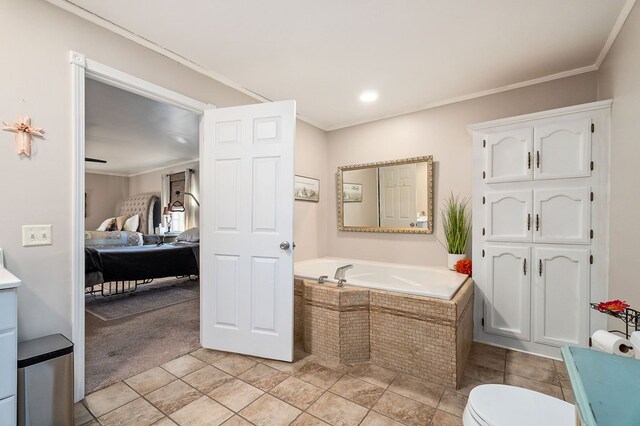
(613, 306)
(463, 266)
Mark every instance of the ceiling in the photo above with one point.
(415, 53)
(135, 134)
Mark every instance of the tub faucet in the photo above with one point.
(341, 282)
(341, 271)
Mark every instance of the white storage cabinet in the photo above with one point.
(540, 227)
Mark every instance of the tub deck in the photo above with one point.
(427, 337)
(430, 281)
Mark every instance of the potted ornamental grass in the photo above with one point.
(456, 220)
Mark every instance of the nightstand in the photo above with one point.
(150, 239)
(169, 237)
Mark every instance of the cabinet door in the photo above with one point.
(8, 411)
(8, 306)
(507, 298)
(508, 156)
(561, 296)
(563, 149)
(8, 359)
(562, 216)
(509, 216)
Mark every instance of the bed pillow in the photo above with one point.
(106, 224)
(132, 223)
(120, 220)
(190, 235)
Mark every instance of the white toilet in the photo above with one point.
(502, 405)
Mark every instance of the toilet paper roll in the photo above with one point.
(635, 342)
(604, 341)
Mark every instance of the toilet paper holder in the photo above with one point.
(629, 316)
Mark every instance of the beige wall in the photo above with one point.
(39, 84)
(152, 181)
(619, 79)
(440, 132)
(422, 192)
(364, 213)
(310, 219)
(105, 193)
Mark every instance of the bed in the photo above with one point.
(146, 207)
(112, 239)
(117, 262)
(124, 268)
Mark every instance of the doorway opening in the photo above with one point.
(246, 296)
(132, 140)
(141, 267)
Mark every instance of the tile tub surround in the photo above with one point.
(427, 338)
(334, 322)
(365, 392)
(422, 336)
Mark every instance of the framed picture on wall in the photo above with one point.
(352, 192)
(307, 189)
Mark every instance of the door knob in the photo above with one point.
(285, 245)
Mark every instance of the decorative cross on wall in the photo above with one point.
(23, 130)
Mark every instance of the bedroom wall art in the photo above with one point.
(24, 131)
(307, 189)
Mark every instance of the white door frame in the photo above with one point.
(85, 68)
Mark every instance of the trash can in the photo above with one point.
(45, 381)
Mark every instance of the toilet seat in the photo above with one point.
(503, 405)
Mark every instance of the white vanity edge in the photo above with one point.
(7, 279)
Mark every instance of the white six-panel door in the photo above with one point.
(398, 196)
(507, 304)
(246, 258)
(509, 156)
(561, 296)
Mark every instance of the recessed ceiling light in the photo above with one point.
(180, 139)
(369, 96)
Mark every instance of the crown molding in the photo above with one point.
(475, 95)
(121, 31)
(111, 26)
(130, 175)
(617, 27)
(591, 106)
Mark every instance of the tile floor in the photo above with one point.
(212, 388)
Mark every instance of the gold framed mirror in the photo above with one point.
(388, 196)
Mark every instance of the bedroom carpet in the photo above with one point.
(124, 347)
(143, 300)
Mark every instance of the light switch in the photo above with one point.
(36, 235)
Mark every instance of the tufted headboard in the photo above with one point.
(146, 206)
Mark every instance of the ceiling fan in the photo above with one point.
(95, 160)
